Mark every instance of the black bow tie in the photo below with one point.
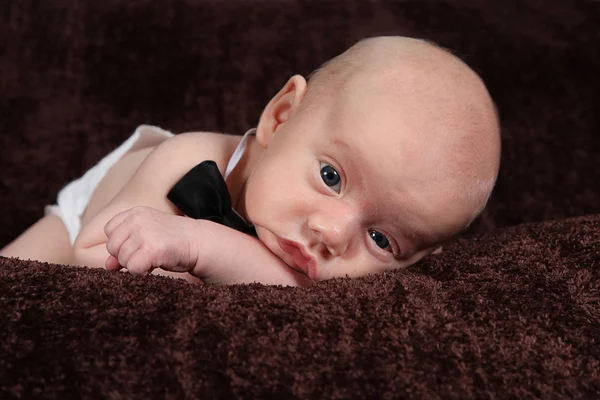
(202, 194)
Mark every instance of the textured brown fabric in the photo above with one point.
(514, 313)
(512, 308)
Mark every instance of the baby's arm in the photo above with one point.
(142, 239)
(149, 186)
(234, 257)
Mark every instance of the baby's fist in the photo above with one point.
(142, 239)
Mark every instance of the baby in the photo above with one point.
(390, 149)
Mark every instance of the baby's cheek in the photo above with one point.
(262, 234)
(268, 239)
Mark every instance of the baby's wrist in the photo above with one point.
(199, 249)
(211, 246)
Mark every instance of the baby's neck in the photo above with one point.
(236, 181)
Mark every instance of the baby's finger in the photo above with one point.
(112, 264)
(115, 222)
(128, 248)
(116, 240)
(139, 263)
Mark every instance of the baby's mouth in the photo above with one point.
(303, 260)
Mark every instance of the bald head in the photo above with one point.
(458, 140)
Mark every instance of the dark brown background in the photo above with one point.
(511, 310)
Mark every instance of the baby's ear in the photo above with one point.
(279, 110)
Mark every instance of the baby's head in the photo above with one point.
(389, 150)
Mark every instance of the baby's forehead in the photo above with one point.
(413, 111)
(379, 115)
(426, 75)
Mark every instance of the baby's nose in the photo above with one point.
(334, 227)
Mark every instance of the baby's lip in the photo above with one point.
(302, 258)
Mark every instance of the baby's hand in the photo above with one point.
(142, 239)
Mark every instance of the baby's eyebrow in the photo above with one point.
(351, 158)
(415, 233)
(339, 142)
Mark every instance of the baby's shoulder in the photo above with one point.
(191, 148)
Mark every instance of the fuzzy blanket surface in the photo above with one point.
(515, 314)
(509, 310)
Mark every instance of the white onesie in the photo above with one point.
(74, 197)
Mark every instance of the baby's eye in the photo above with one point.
(380, 239)
(331, 177)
